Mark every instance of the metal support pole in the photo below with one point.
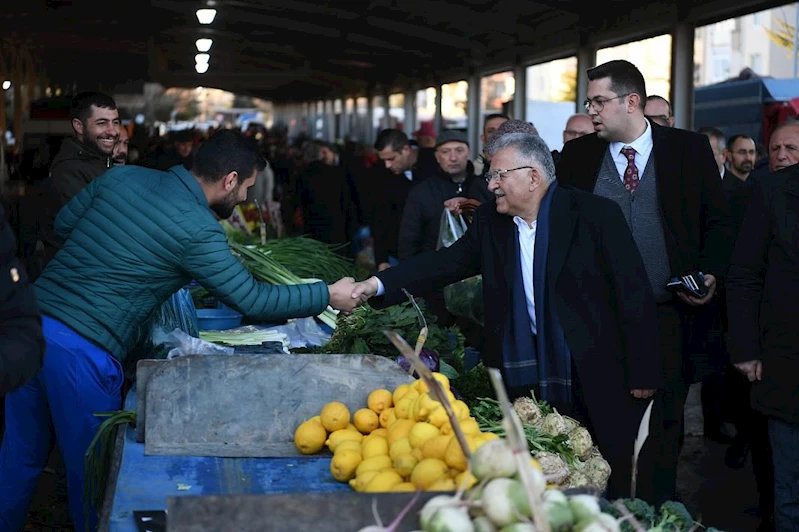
(438, 121)
(586, 58)
(795, 41)
(520, 94)
(474, 119)
(682, 75)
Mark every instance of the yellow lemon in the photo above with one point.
(402, 408)
(468, 426)
(375, 447)
(535, 464)
(412, 393)
(442, 484)
(316, 419)
(419, 386)
(343, 465)
(403, 486)
(365, 421)
(404, 464)
(376, 463)
(461, 410)
(381, 432)
(465, 480)
(436, 447)
(361, 480)
(352, 427)
(342, 435)
(310, 437)
(438, 416)
(335, 416)
(379, 400)
(487, 436)
(399, 447)
(399, 429)
(454, 455)
(428, 471)
(420, 433)
(423, 406)
(387, 417)
(443, 379)
(418, 454)
(399, 391)
(348, 445)
(383, 481)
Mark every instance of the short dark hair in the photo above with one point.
(81, 107)
(226, 151)
(625, 78)
(393, 138)
(492, 116)
(662, 99)
(714, 133)
(732, 140)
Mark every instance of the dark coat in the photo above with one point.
(696, 222)
(599, 287)
(763, 290)
(21, 341)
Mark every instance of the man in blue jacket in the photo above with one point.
(131, 239)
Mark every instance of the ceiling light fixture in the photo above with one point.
(6, 85)
(201, 68)
(206, 16)
(202, 59)
(203, 45)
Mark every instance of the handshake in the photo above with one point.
(346, 294)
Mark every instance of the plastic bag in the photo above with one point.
(450, 229)
(177, 312)
(464, 298)
(181, 344)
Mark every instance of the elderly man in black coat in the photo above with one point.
(569, 312)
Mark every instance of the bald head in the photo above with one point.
(783, 146)
(577, 126)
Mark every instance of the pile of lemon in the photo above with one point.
(403, 441)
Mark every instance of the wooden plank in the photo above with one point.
(291, 513)
(250, 405)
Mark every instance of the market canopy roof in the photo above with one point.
(304, 49)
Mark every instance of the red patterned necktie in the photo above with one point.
(631, 174)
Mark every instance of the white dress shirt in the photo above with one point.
(643, 149)
(527, 248)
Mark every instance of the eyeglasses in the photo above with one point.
(500, 174)
(599, 103)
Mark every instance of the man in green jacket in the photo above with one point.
(132, 238)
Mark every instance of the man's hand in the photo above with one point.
(341, 295)
(383, 266)
(365, 289)
(459, 205)
(642, 394)
(710, 283)
(752, 369)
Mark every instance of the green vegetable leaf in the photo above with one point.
(447, 370)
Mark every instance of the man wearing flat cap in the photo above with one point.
(422, 214)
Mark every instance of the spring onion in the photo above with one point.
(245, 336)
(267, 270)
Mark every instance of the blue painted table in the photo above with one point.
(145, 482)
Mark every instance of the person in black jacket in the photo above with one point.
(81, 160)
(21, 341)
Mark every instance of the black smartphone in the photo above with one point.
(692, 283)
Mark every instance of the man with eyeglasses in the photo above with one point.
(569, 313)
(667, 184)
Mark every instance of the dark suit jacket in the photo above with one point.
(696, 222)
(599, 287)
(763, 290)
(696, 213)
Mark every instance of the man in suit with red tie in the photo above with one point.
(667, 184)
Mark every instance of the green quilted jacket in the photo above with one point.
(133, 237)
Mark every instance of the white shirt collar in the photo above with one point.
(642, 145)
(522, 225)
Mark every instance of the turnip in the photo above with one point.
(433, 505)
(599, 523)
(505, 501)
(449, 519)
(493, 460)
(483, 524)
(585, 507)
(519, 527)
(559, 513)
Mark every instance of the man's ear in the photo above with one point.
(77, 126)
(230, 180)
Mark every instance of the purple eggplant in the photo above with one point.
(428, 357)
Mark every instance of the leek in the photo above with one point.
(266, 269)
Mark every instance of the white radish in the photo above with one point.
(493, 460)
(450, 519)
(483, 524)
(585, 507)
(505, 502)
(433, 505)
